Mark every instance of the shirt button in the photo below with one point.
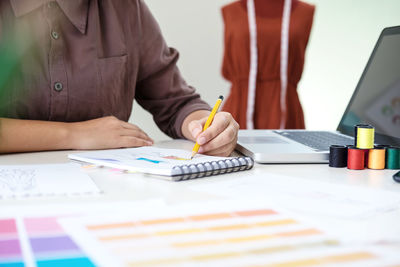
(58, 86)
(55, 35)
(50, 4)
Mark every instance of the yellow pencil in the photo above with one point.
(208, 122)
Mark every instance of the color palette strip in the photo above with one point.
(10, 247)
(203, 217)
(51, 246)
(47, 242)
(243, 239)
(317, 261)
(226, 233)
(199, 230)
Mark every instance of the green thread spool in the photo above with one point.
(393, 158)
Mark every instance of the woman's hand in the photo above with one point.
(220, 138)
(106, 132)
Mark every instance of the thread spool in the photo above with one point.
(355, 158)
(376, 158)
(356, 132)
(337, 156)
(364, 136)
(393, 158)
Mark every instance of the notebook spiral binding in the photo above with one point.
(199, 170)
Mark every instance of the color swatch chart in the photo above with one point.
(38, 242)
(212, 235)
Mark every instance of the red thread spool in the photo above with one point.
(356, 158)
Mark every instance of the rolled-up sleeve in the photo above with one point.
(160, 88)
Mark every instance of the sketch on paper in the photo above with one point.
(22, 181)
(160, 156)
(175, 158)
(18, 180)
(149, 155)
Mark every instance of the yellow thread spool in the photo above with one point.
(376, 158)
(365, 137)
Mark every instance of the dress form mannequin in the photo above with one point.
(236, 65)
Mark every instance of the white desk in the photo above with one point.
(137, 187)
(133, 187)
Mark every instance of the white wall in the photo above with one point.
(343, 36)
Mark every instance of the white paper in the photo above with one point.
(224, 236)
(151, 160)
(307, 197)
(356, 214)
(20, 181)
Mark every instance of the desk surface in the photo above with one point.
(133, 187)
(139, 187)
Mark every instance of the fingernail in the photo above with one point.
(149, 143)
(201, 150)
(202, 140)
(196, 132)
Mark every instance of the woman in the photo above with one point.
(70, 71)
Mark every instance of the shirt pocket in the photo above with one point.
(112, 83)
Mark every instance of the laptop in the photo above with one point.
(375, 101)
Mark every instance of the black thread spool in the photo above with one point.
(337, 156)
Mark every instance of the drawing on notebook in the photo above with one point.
(160, 161)
(157, 157)
(175, 158)
(149, 160)
(18, 180)
(111, 160)
(148, 157)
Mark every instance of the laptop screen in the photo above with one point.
(376, 100)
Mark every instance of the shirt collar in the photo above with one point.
(75, 10)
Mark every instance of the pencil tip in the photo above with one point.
(221, 97)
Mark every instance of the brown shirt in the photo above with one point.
(75, 60)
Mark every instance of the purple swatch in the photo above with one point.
(51, 244)
(10, 248)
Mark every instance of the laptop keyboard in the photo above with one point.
(317, 140)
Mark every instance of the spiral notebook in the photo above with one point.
(172, 164)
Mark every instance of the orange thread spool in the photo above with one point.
(376, 158)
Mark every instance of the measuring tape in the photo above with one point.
(251, 14)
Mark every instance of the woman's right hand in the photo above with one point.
(106, 132)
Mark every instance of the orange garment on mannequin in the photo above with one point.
(236, 62)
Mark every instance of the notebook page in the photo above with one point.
(152, 160)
